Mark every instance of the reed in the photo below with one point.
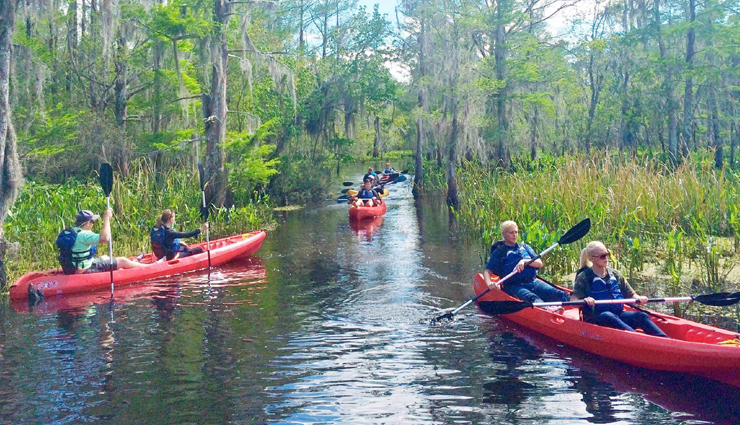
(43, 210)
(684, 219)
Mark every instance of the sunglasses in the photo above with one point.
(603, 256)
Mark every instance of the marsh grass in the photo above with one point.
(42, 211)
(684, 220)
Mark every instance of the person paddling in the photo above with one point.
(78, 245)
(166, 241)
(367, 195)
(595, 280)
(506, 256)
(371, 174)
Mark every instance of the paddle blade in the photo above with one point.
(202, 175)
(406, 171)
(576, 232)
(720, 299)
(348, 184)
(344, 191)
(106, 178)
(503, 307)
(446, 316)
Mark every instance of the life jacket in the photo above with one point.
(158, 237)
(509, 257)
(366, 194)
(68, 258)
(603, 289)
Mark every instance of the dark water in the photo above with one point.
(328, 324)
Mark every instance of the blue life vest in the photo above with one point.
(608, 289)
(513, 256)
(366, 194)
(158, 237)
(68, 258)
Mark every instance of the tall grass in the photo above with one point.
(683, 220)
(42, 211)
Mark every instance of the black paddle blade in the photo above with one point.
(202, 174)
(446, 316)
(720, 299)
(348, 184)
(345, 191)
(503, 307)
(106, 178)
(576, 232)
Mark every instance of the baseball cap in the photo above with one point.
(84, 216)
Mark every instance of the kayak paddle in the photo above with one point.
(343, 198)
(720, 299)
(106, 182)
(348, 184)
(573, 234)
(204, 211)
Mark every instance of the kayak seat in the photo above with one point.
(572, 313)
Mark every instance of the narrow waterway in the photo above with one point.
(328, 323)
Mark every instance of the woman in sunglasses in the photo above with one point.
(595, 280)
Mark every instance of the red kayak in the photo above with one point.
(240, 271)
(54, 282)
(692, 347)
(362, 213)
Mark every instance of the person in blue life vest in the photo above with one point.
(389, 169)
(595, 280)
(78, 245)
(372, 175)
(507, 256)
(367, 196)
(166, 241)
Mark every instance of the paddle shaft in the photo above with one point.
(110, 248)
(617, 301)
(208, 234)
(505, 278)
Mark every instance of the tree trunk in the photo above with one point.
(688, 96)
(670, 101)
(502, 120)
(419, 160)
(533, 142)
(158, 81)
(11, 177)
(214, 109)
(452, 199)
(121, 66)
(376, 142)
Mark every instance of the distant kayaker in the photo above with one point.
(506, 256)
(166, 241)
(78, 245)
(371, 174)
(388, 169)
(367, 196)
(595, 280)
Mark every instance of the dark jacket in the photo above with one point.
(171, 238)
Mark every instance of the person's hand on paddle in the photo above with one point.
(590, 301)
(641, 299)
(204, 227)
(107, 214)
